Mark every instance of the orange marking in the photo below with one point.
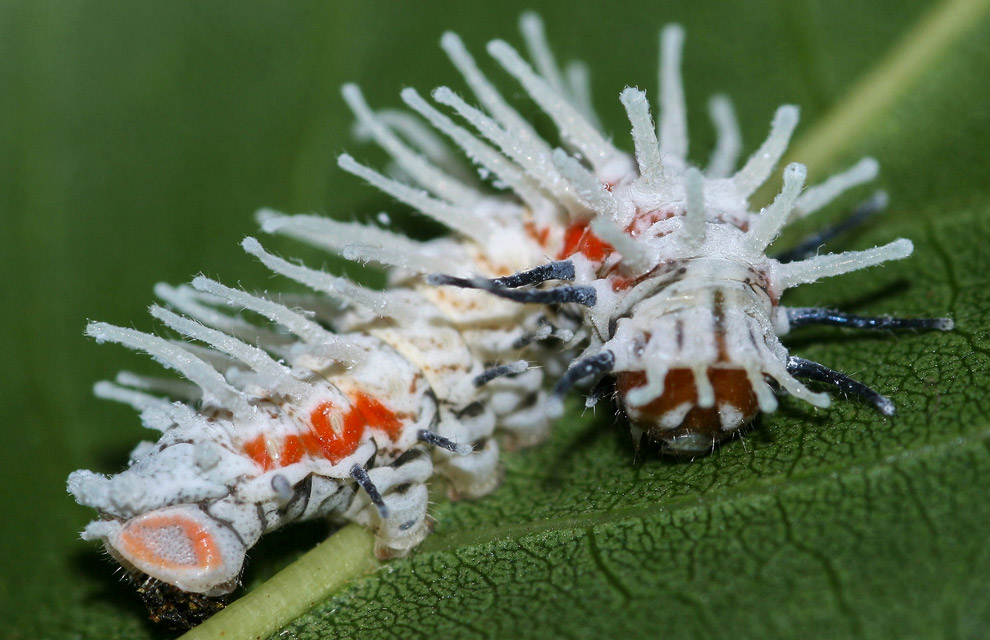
(294, 447)
(540, 235)
(621, 283)
(336, 445)
(579, 239)
(257, 450)
(377, 415)
(292, 451)
(138, 540)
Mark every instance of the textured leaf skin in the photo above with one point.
(135, 142)
(834, 525)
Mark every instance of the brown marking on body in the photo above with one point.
(731, 386)
(718, 312)
(646, 219)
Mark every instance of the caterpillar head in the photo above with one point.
(179, 545)
(683, 422)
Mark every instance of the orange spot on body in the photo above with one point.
(332, 435)
(377, 415)
(292, 451)
(257, 450)
(151, 540)
(334, 444)
(578, 238)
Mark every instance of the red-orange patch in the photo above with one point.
(579, 239)
(257, 450)
(377, 415)
(336, 445)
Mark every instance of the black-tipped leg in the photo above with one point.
(801, 316)
(591, 366)
(506, 287)
(582, 294)
(361, 476)
(488, 375)
(860, 214)
(439, 441)
(562, 270)
(801, 368)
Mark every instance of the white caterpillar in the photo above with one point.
(595, 264)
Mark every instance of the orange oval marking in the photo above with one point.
(141, 540)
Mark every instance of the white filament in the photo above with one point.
(694, 217)
(572, 125)
(793, 274)
(757, 169)
(459, 219)
(644, 135)
(438, 182)
(215, 387)
(773, 218)
(821, 194)
(673, 112)
(728, 143)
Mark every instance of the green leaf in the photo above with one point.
(136, 140)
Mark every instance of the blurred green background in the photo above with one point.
(137, 140)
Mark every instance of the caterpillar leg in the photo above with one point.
(443, 443)
(475, 473)
(393, 501)
(801, 368)
(594, 365)
(561, 270)
(520, 406)
(860, 214)
(580, 294)
(513, 368)
(506, 287)
(801, 316)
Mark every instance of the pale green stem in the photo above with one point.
(344, 556)
(876, 92)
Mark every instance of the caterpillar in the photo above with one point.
(580, 264)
